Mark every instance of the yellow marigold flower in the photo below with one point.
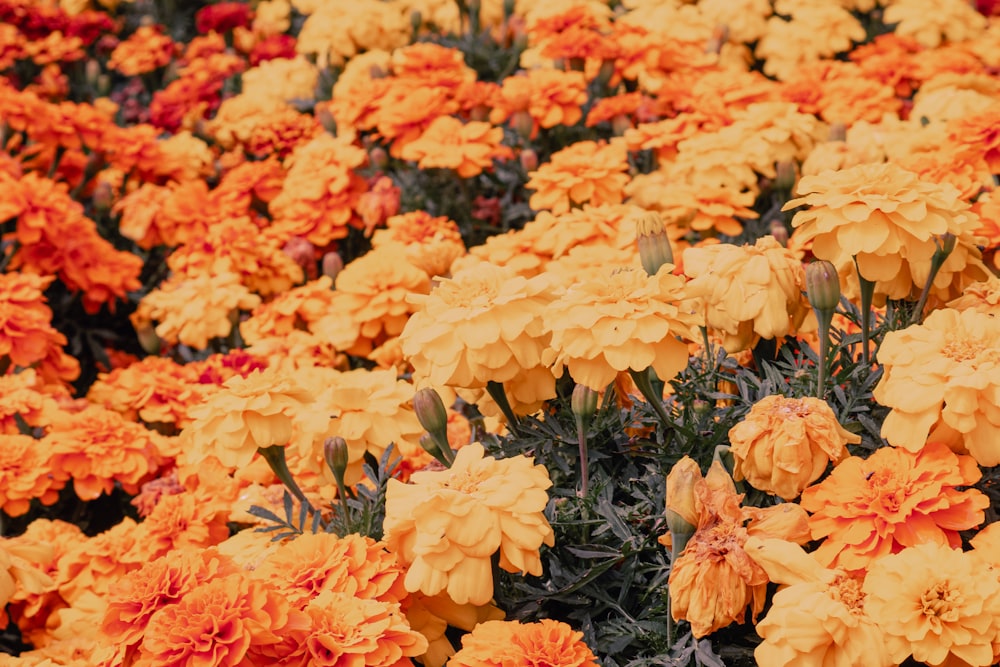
(941, 381)
(259, 410)
(445, 526)
(816, 30)
(687, 206)
(870, 508)
(585, 171)
(372, 301)
(982, 297)
(817, 617)
(502, 643)
(750, 292)
(467, 148)
(888, 221)
(194, 310)
(623, 319)
(298, 308)
(146, 50)
(784, 444)
(931, 23)
(283, 79)
(482, 325)
(934, 603)
(336, 31)
(432, 244)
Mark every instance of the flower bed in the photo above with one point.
(479, 333)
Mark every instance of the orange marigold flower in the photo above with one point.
(320, 192)
(407, 110)
(500, 643)
(145, 50)
(933, 603)
(192, 310)
(432, 64)
(784, 444)
(216, 623)
(431, 243)
(482, 325)
(17, 572)
(620, 320)
(248, 413)
(768, 302)
(92, 564)
(24, 397)
(26, 332)
(551, 97)
(181, 521)
(978, 135)
(869, 508)
(815, 31)
(687, 206)
(466, 148)
(298, 308)
(280, 133)
(887, 221)
(135, 599)
(942, 384)
(26, 474)
(431, 617)
(584, 172)
(446, 525)
(156, 390)
(311, 563)
(97, 447)
(817, 617)
(371, 302)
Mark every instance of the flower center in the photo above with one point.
(962, 350)
(941, 602)
(847, 589)
(467, 481)
(886, 489)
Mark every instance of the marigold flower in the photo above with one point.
(942, 385)
(482, 325)
(621, 320)
(952, 20)
(259, 410)
(17, 572)
(784, 444)
(310, 564)
(584, 172)
(870, 508)
(145, 50)
(691, 206)
(216, 623)
(466, 148)
(193, 310)
(817, 617)
(977, 134)
(23, 396)
(180, 521)
(372, 301)
(26, 474)
(222, 17)
(787, 44)
(154, 390)
(981, 297)
(750, 292)
(551, 97)
(431, 243)
(500, 643)
(885, 219)
(445, 525)
(933, 603)
(336, 32)
(26, 331)
(285, 79)
(400, 123)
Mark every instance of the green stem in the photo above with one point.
(645, 386)
(867, 293)
(581, 437)
(275, 457)
(496, 392)
(825, 320)
(937, 261)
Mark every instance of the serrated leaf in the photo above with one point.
(266, 514)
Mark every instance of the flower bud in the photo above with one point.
(325, 118)
(529, 159)
(823, 286)
(785, 178)
(91, 71)
(332, 265)
(606, 72)
(523, 124)
(838, 132)
(654, 245)
(681, 499)
(948, 241)
(780, 232)
(335, 453)
(584, 402)
(149, 341)
(416, 20)
(619, 124)
(431, 412)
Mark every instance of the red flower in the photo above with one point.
(223, 17)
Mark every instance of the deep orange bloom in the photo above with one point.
(154, 390)
(869, 508)
(26, 332)
(467, 148)
(978, 135)
(26, 474)
(145, 50)
(23, 396)
(502, 643)
(181, 521)
(550, 97)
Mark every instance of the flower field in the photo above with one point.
(500, 333)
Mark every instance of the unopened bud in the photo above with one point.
(103, 198)
(325, 118)
(823, 286)
(416, 20)
(92, 70)
(103, 85)
(607, 71)
(378, 157)
(838, 132)
(336, 454)
(702, 408)
(149, 341)
(523, 123)
(654, 244)
(431, 412)
(529, 159)
(332, 265)
(584, 401)
(948, 241)
(620, 123)
(681, 497)
(785, 178)
(780, 232)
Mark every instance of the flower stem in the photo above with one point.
(641, 379)
(581, 437)
(867, 293)
(496, 392)
(825, 320)
(937, 261)
(275, 457)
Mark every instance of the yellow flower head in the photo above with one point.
(622, 320)
(750, 292)
(942, 381)
(446, 525)
(546, 642)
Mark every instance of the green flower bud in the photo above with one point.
(654, 244)
(335, 453)
(823, 286)
(584, 401)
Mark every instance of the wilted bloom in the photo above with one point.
(942, 384)
(817, 617)
(784, 444)
(502, 643)
(885, 219)
(870, 508)
(622, 320)
(936, 604)
(483, 325)
(446, 525)
(749, 292)
(257, 411)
